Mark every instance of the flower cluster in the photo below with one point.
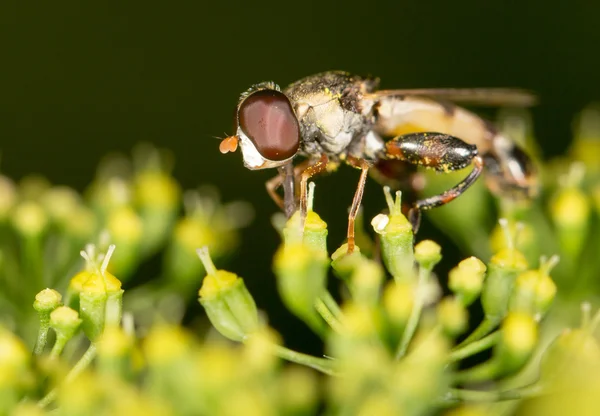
(399, 336)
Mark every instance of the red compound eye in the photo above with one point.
(267, 118)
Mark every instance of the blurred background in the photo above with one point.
(81, 79)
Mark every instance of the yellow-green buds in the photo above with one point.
(65, 322)
(166, 344)
(396, 238)
(298, 391)
(99, 294)
(46, 301)
(503, 270)
(466, 279)
(114, 352)
(227, 302)
(518, 340)
(125, 229)
(570, 210)
(398, 300)
(301, 276)
(452, 316)
(314, 232)
(29, 219)
(14, 371)
(428, 254)
(534, 290)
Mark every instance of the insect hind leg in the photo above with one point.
(440, 152)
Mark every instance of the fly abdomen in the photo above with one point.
(433, 150)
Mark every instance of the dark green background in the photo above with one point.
(79, 79)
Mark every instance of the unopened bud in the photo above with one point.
(466, 279)
(227, 302)
(301, 276)
(453, 316)
(396, 239)
(519, 339)
(428, 254)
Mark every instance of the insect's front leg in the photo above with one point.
(287, 176)
(307, 173)
(440, 152)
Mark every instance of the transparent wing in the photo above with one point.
(469, 96)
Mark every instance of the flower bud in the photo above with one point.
(29, 219)
(14, 361)
(534, 291)
(114, 352)
(502, 272)
(570, 210)
(428, 254)
(65, 322)
(586, 143)
(314, 234)
(156, 196)
(344, 263)
(366, 280)
(60, 202)
(301, 276)
(166, 344)
(396, 239)
(466, 279)
(452, 316)
(99, 303)
(298, 391)
(518, 341)
(46, 301)
(126, 231)
(572, 358)
(259, 352)
(398, 300)
(227, 302)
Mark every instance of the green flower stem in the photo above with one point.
(328, 316)
(85, 360)
(485, 327)
(474, 347)
(323, 365)
(461, 395)
(42, 337)
(316, 324)
(415, 314)
(332, 305)
(480, 373)
(58, 347)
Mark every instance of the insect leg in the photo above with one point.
(437, 151)
(286, 176)
(307, 173)
(360, 188)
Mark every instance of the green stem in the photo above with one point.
(321, 364)
(332, 305)
(58, 347)
(77, 369)
(42, 337)
(474, 347)
(462, 395)
(415, 314)
(328, 316)
(485, 327)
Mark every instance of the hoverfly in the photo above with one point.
(336, 117)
